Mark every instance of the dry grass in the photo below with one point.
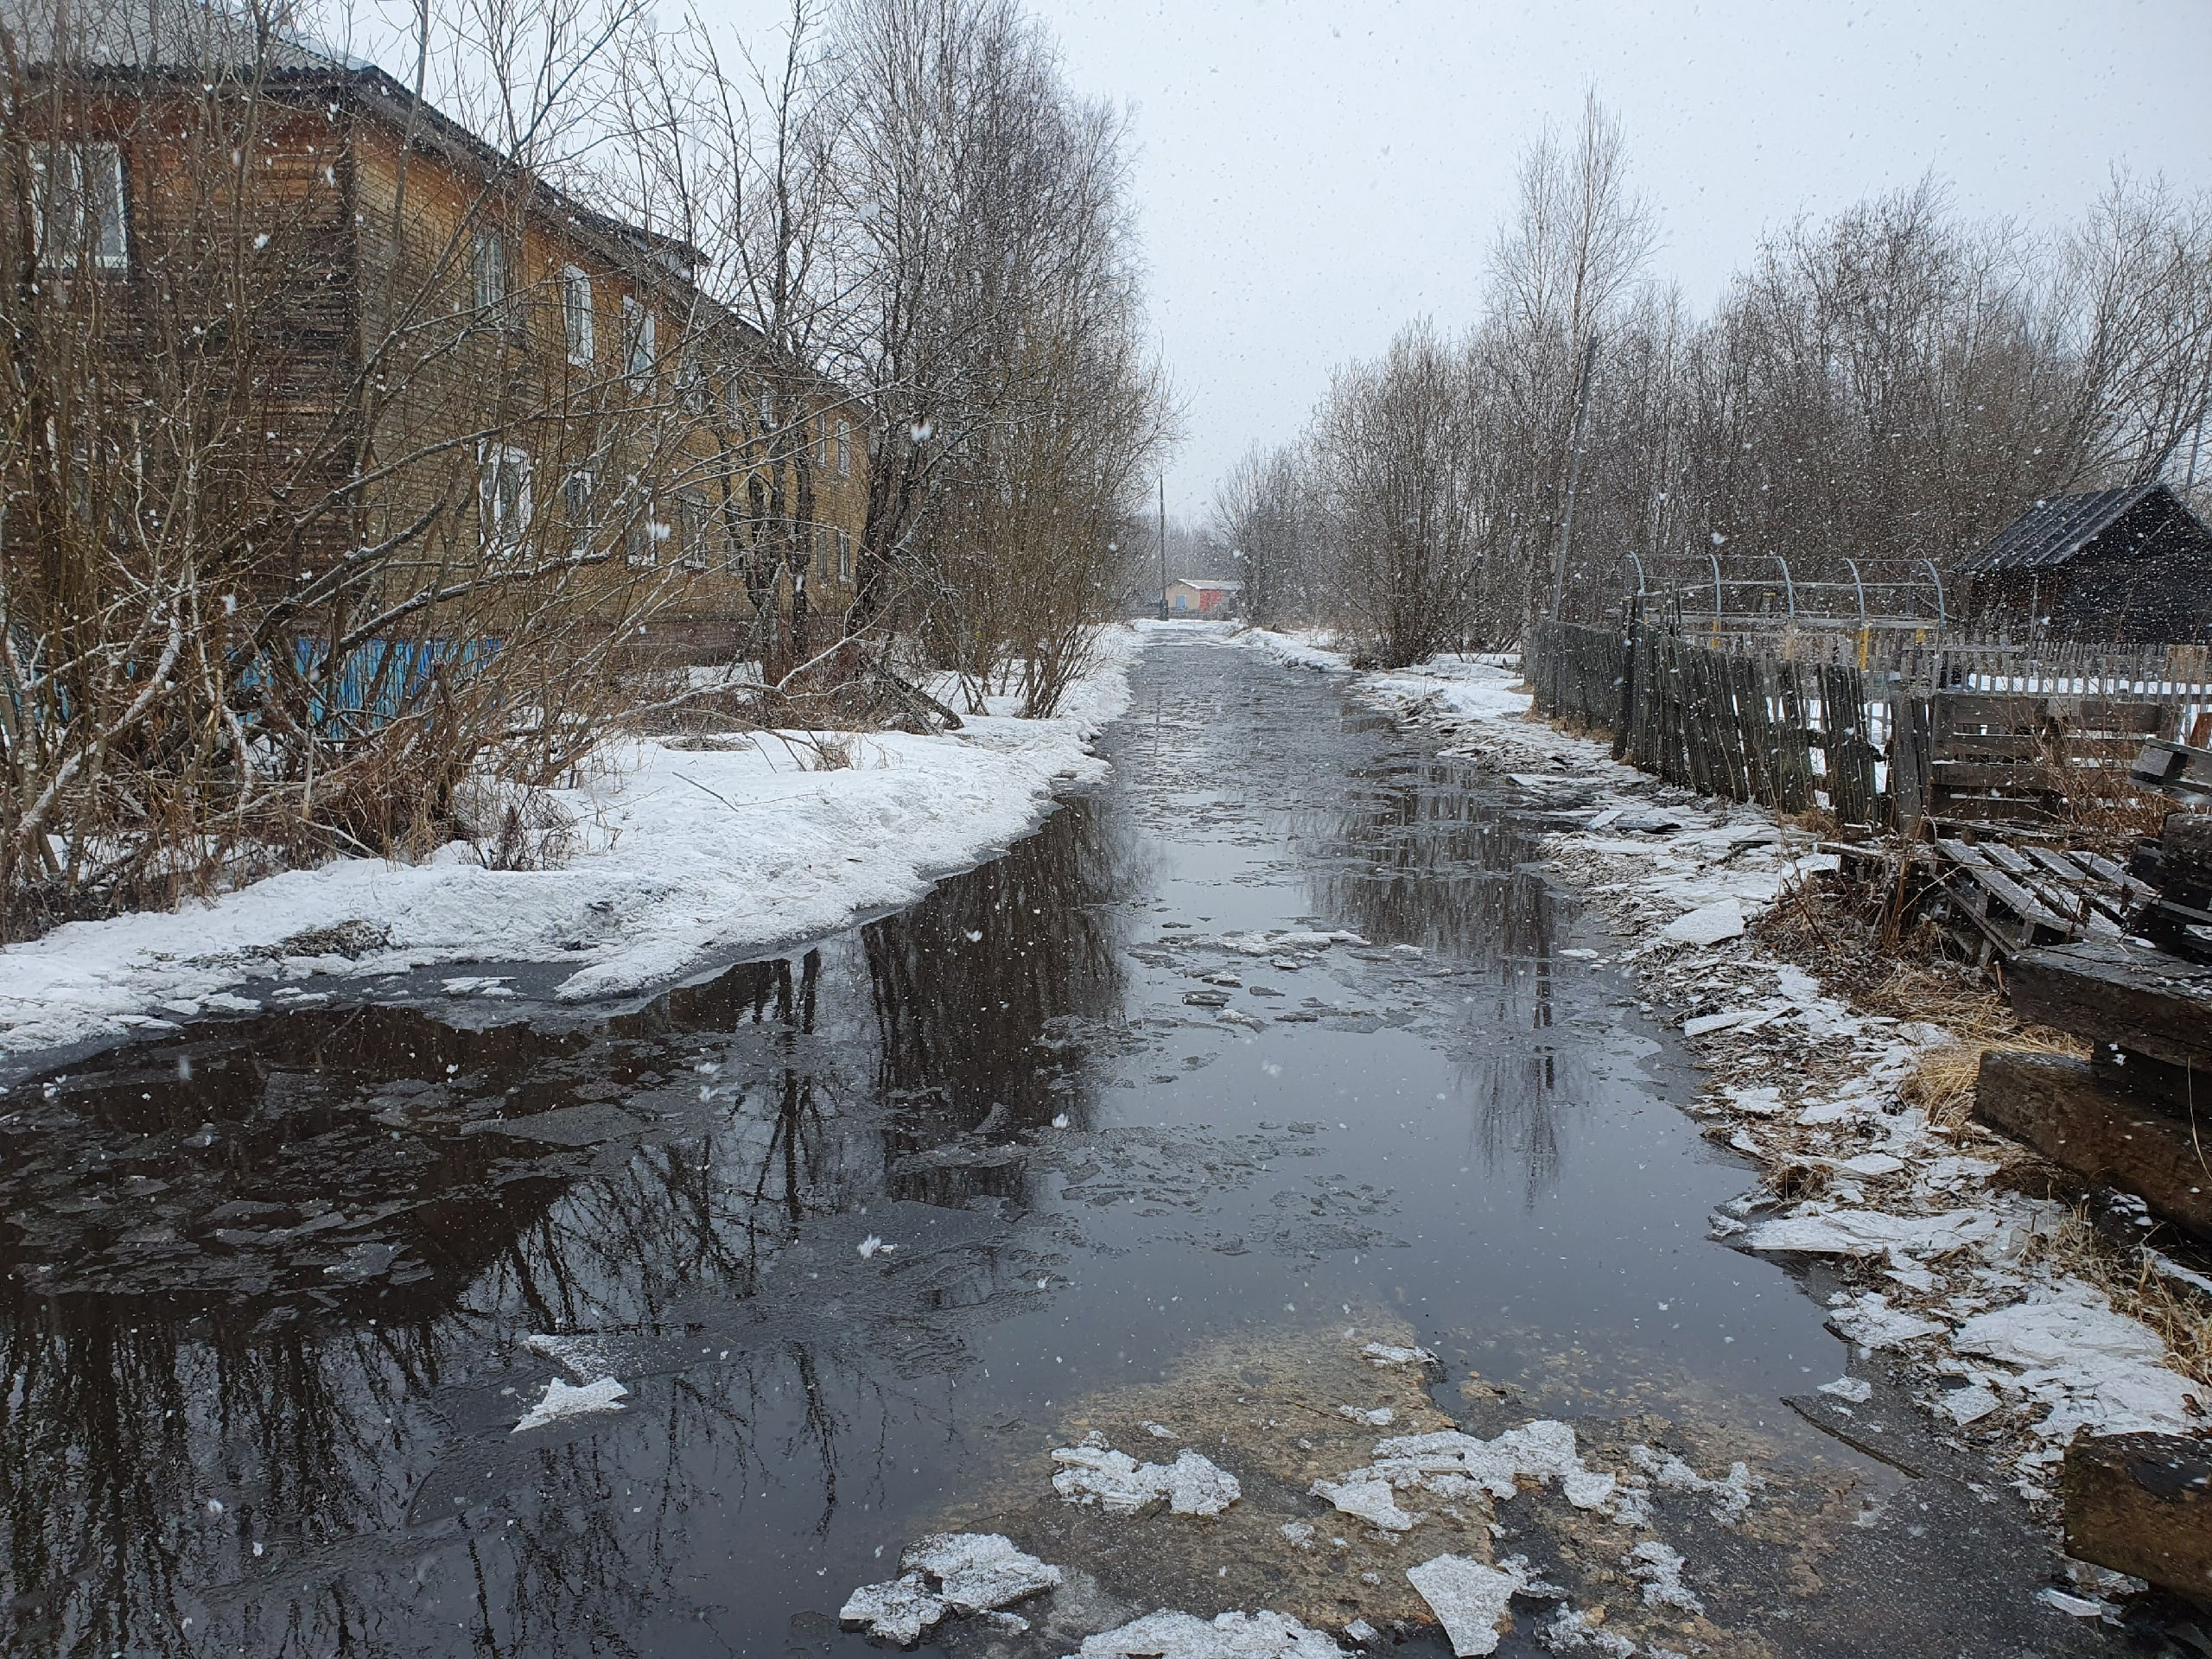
(2180, 1316)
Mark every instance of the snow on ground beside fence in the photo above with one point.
(681, 855)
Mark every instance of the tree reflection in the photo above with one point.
(269, 1282)
(1432, 855)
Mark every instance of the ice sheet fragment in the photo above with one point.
(976, 1572)
(1193, 1484)
(1167, 1635)
(1468, 1598)
(562, 1401)
(897, 1610)
(1660, 1570)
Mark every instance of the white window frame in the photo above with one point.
(844, 448)
(640, 343)
(503, 533)
(491, 269)
(642, 523)
(576, 315)
(104, 245)
(845, 556)
(694, 514)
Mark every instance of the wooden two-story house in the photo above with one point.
(293, 322)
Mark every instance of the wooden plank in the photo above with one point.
(2141, 1000)
(2077, 1116)
(2142, 1504)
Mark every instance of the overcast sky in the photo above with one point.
(1310, 175)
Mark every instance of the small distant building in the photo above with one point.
(1195, 596)
(2126, 567)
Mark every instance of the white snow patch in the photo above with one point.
(1857, 1390)
(1571, 1633)
(683, 855)
(1167, 1635)
(1380, 1417)
(1096, 1474)
(1706, 924)
(1468, 1598)
(563, 1401)
(1367, 1498)
(1383, 1353)
(1872, 1232)
(1660, 1571)
(2096, 1368)
(1869, 1320)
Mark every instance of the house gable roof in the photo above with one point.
(2052, 533)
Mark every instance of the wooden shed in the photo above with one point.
(2124, 567)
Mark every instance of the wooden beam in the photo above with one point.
(2078, 1115)
(2142, 1503)
(2108, 992)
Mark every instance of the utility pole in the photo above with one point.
(1573, 472)
(1163, 547)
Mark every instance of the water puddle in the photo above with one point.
(383, 1330)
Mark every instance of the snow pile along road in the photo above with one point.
(682, 855)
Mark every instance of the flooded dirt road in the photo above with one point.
(1275, 1046)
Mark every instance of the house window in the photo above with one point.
(580, 506)
(844, 449)
(490, 261)
(845, 555)
(692, 518)
(822, 440)
(77, 195)
(638, 351)
(642, 538)
(576, 314)
(503, 496)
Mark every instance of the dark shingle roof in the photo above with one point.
(2051, 532)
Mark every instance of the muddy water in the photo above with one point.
(1279, 1037)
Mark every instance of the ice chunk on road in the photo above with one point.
(1383, 1353)
(1571, 1633)
(1367, 1498)
(978, 1572)
(561, 1400)
(1732, 1495)
(1378, 1418)
(899, 1611)
(1660, 1570)
(1706, 924)
(1869, 1320)
(1872, 1232)
(1857, 1390)
(1468, 1598)
(1191, 1485)
(1544, 1450)
(2097, 1368)
(1232, 1635)
(946, 1573)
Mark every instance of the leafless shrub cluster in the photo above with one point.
(323, 493)
(1894, 383)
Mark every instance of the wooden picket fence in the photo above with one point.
(1956, 735)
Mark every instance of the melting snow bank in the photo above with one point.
(1952, 1276)
(682, 855)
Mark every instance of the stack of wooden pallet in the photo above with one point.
(1998, 758)
(2002, 899)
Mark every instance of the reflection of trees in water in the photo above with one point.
(967, 983)
(1425, 859)
(302, 1407)
(1424, 855)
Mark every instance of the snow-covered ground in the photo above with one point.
(680, 854)
(1952, 1273)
